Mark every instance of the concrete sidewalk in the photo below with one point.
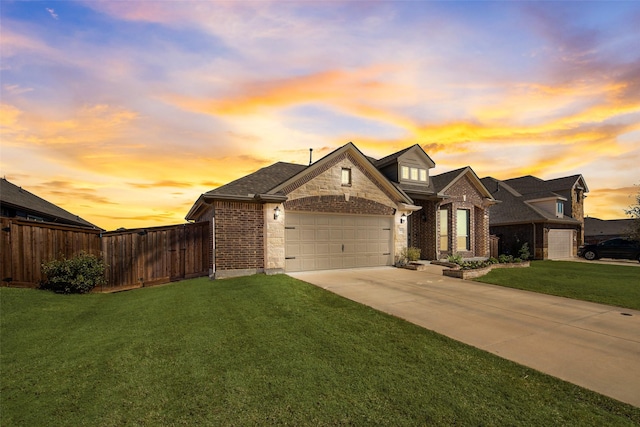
(592, 345)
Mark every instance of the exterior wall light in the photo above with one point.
(276, 212)
(403, 218)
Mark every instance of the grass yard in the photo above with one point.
(262, 350)
(617, 285)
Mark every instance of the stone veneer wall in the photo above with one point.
(274, 243)
(327, 182)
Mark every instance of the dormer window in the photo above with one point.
(409, 173)
(559, 209)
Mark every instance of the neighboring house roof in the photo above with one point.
(612, 227)
(15, 197)
(516, 207)
(530, 184)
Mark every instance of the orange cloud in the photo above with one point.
(609, 203)
(336, 87)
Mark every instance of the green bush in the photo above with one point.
(456, 259)
(505, 258)
(76, 275)
(412, 254)
(408, 255)
(524, 253)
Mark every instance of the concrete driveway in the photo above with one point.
(592, 345)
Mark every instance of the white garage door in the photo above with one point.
(324, 241)
(560, 244)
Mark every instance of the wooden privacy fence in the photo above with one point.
(494, 246)
(134, 258)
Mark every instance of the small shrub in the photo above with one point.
(407, 255)
(517, 260)
(412, 254)
(493, 260)
(76, 275)
(503, 259)
(456, 259)
(524, 253)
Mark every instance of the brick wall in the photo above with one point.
(239, 231)
(463, 194)
(338, 204)
(422, 229)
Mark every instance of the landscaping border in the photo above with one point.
(478, 272)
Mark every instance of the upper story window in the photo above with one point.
(410, 173)
(345, 177)
(559, 209)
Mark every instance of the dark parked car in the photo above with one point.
(614, 248)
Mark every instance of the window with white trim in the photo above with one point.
(462, 227)
(345, 177)
(410, 173)
(444, 229)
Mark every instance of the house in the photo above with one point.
(547, 214)
(345, 210)
(598, 230)
(16, 202)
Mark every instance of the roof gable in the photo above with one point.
(446, 180)
(414, 150)
(356, 155)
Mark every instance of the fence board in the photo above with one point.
(134, 258)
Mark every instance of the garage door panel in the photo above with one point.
(560, 244)
(322, 249)
(324, 241)
(322, 234)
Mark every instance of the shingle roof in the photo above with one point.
(390, 158)
(17, 197)
(444, 179)
(260, 181)
(531, 184)
(514, 208)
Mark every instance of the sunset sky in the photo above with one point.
(125, 112)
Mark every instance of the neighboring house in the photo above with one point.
(598, 230)
(548, 215)
(16, 202)
(343, 211)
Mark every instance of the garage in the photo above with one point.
(315, 241)
(560, 244)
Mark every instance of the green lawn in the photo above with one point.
(617, 285)
(263, 350)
